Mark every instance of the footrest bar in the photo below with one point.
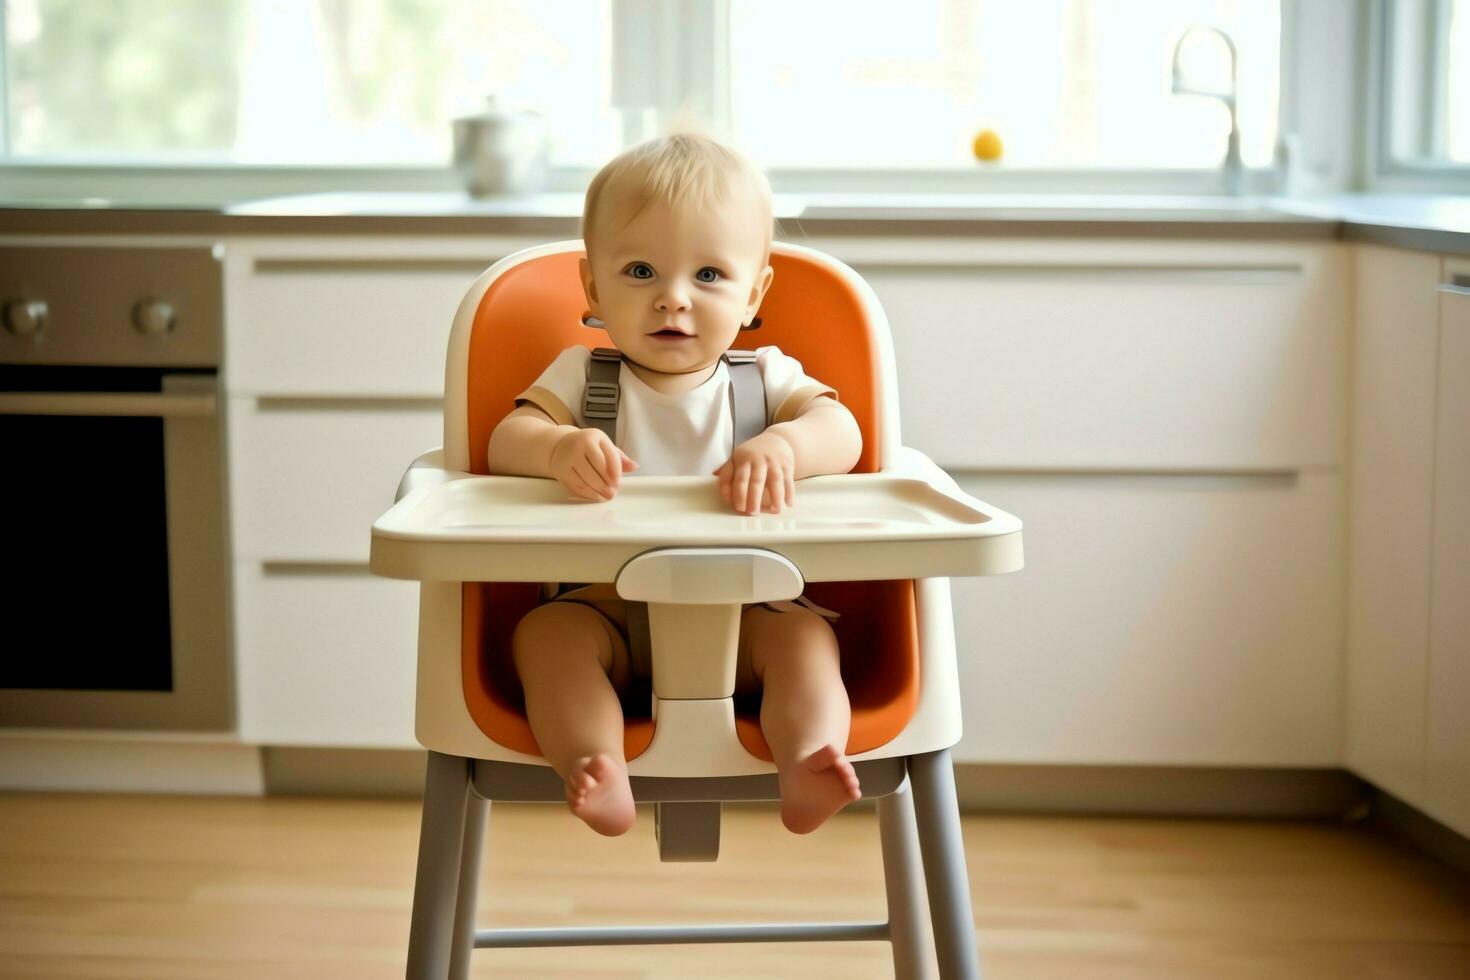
(646, 935)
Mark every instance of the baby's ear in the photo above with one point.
(758, 291)
(584, 269)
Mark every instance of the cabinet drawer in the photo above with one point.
(1168, 620)
(308, 479)
(325, 657)
(347, 319)
(1120, 358)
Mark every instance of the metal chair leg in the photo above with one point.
(476, 814)
(937, 814)
(436, 886)
(903, 879)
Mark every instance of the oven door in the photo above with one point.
(113, 577)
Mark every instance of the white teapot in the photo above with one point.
(500, 151)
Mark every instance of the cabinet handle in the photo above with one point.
(346, 403)
(314, 569)
(1228, 275)
(373, 266)
(142, 404)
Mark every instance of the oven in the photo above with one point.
(113, 590)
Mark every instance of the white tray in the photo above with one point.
(843, 528)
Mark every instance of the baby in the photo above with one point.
(678, 237)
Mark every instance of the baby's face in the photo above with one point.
(673, 288)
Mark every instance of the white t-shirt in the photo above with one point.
(669, 435)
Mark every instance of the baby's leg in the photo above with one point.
(563, 653)
(805, 715)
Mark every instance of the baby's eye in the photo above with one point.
(640, 270)
(714, 274)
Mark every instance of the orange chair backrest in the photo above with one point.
(533, 310)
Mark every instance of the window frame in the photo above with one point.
(1384, 171)
(643, 33)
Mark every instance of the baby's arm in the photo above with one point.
(521, 444)
(824, 438)
(528, 442)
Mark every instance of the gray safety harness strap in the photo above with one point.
(600, 401)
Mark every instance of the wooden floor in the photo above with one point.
(167, 887)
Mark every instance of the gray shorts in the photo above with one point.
(627, 625)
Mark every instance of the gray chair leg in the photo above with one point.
(436, 887)
(937, 814)
(476, 814)
(903, 879)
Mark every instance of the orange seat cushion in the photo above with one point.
(528, 316)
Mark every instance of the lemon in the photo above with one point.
(987, 145)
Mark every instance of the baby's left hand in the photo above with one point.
(760, 474)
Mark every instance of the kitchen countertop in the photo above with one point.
(1428, 222)
(1438, 223)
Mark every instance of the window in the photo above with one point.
(1064, 83)
(862, 91)
(328, 82)
(1423, 123)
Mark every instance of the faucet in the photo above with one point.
(1233, 169)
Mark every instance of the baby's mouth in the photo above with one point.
(668, 333)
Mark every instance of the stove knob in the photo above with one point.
(26, 317)
(153, 317)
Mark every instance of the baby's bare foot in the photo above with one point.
(598, 793)
(814, 788)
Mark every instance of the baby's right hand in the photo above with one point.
(589, 465)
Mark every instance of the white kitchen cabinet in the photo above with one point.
(1447, 773)
(1170, 421)
(326, 657)
(1118, 355)
(334, 368)
(308, 477)
(1160, 620)
(1390, 533)
(347, 317)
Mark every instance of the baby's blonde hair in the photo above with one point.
(678, 170)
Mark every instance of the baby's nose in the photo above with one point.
(671, 300)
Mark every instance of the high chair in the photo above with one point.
(877, 545)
